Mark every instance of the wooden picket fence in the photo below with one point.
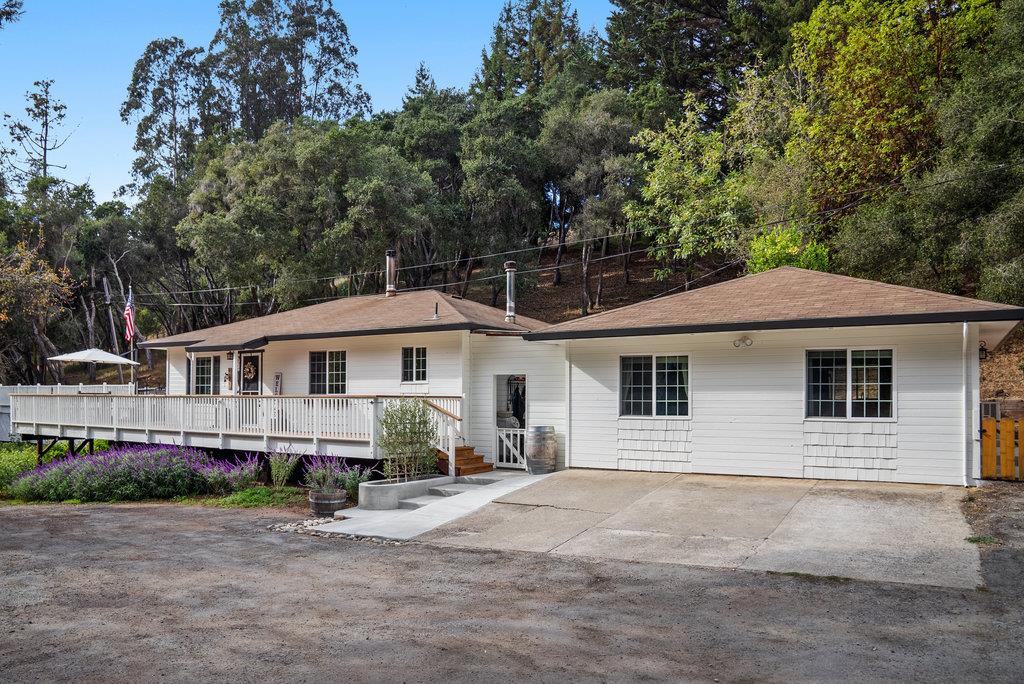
(1000, 449)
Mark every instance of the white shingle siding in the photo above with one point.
(658, 444)
(747, 407)
(843, 450)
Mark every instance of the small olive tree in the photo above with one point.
(408, 439)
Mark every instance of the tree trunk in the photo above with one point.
(600, 273)
(465, 281)
(585, 297)
(113, 331)
(627, 247)
(561, 240)
(89, 314)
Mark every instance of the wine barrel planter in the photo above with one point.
(541, 450)
(323, 503)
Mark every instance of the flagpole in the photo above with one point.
(132, 352)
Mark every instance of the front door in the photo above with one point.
(251, 372)
(510, 421)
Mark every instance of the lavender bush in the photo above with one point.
(330, 472)
(322, 472)
(132, 473)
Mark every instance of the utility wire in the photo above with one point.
(782, 221)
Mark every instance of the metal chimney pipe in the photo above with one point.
(510, 291)
(391, 272)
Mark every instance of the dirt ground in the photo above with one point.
(170, 593)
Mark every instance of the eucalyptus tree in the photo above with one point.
(172, 99)
(278, 60)
(38, 134)
(532, 42)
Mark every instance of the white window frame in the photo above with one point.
(327, 372)
(849, 418)
(654, 387)
(401, 366)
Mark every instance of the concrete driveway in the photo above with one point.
(885, 532)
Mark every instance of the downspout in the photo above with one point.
(968, 421)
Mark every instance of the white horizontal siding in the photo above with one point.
(747, 404)
(176, 370)
(373, 364)
(544, 368)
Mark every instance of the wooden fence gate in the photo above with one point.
(1000, 450)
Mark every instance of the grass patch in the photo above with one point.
(15, 459)
(252, 497)
(984, 539)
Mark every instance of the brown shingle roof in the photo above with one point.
(411, 311)
(781, 298)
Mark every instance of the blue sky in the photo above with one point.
(89, 48)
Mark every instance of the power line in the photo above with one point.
(431, 264)
(782, 221)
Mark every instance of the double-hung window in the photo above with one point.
(327, 372)
(850, 383)
(414, 364)
(654, 386)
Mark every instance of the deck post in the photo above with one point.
(450, 426)
(374, 426)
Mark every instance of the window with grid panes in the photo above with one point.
(670, 386)
(844, 383)
(414, 364)
(871, 383)
(654, 386)
(826, 384)
(204, 375)
(327, 372)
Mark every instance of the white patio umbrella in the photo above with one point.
(95, 356)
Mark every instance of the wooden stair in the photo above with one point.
(467, 462)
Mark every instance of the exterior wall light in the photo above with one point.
(742, 342)
(983, 350)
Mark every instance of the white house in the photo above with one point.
(788, 373)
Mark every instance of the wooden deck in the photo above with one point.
(343, 425)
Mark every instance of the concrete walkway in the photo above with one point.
(403, 524)
(886, 532)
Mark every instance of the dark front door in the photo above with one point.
(249, 367)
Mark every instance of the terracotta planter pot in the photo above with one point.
(324, 502)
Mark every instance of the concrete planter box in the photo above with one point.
(384, 495)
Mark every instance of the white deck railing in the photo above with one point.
(345, 417)
(8, 390)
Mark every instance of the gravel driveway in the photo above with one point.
(146, 593)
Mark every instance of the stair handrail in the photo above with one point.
(442, 410)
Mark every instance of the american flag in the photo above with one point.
(129, 317)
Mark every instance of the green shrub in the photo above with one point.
(15, 459)
(408, 440)
(786, 247)
(352, 477)
(282, 466)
